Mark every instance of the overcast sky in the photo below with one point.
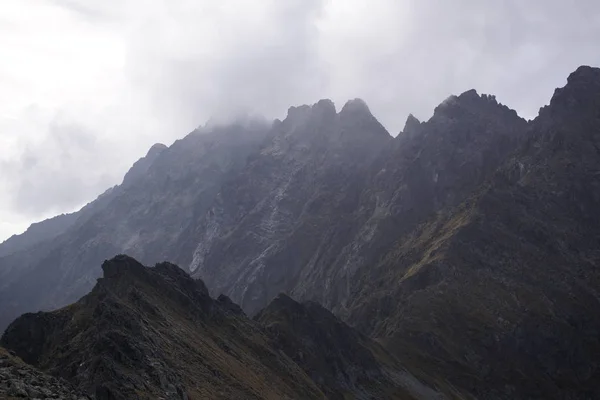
(87, 86)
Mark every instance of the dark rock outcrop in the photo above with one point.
(343, 363)
(21, 381)
(156, 333)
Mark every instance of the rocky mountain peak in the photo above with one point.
(298, 111)
(353, 123)
(411, 126)
(470, 104)
(356, 117)
(470, 94)
(580, 94)
(322, 108)
(309, 119)
(122, 273)
(121, 265)
(156, 149)
(325, 106)
(356, 110)
(585, 75)
(356, 106)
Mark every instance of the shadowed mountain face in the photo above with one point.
(156, 333)
(277, 222)
(503, 289)
(332, 191)
(343, 362)
(467, 246)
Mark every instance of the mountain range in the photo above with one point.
(458, 259)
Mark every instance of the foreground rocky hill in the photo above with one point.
(156, 333)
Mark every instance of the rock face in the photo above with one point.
(331, 192)
(19, 380)
(343, 362)
(145, 216)
(140, 167)
(282, 220)
(156, 333)
(503, 289)
(467, 246)
(150, 333)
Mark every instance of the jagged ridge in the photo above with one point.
(501, 289)
(155, 332)
(423, 242)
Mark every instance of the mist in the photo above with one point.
(91, 85)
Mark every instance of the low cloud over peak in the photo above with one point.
(91, 85)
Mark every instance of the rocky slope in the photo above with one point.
(344, 363)
(253, 213)
(502, 291)
(291, 207)
(19, 380)
(331, 192)
(144, 216)
(156, 333)
(433, 165)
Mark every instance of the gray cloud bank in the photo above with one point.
(137, 72)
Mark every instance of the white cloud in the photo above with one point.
(86, 86)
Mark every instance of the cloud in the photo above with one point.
(228, 57)
(98, 12)
(410, 55)
(92, 84)
(42, 185)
